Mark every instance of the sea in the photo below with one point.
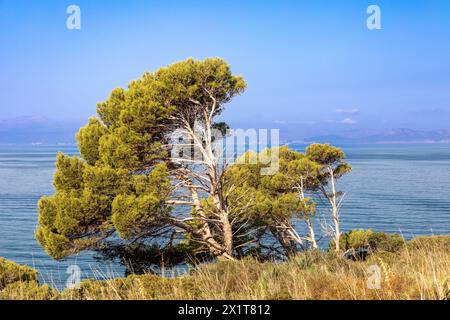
(401, 188)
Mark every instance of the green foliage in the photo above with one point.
(368, 239)
(324, 154)
(11, 272)
(275, 196)
(189, 85)
(132, 214)
(270, 203)
(330, 158)
(69, 173)
(89, 140)
(19, 282)
(124, 184)
(56, 245)
(73, 219)
(121, 183)
(109, 110)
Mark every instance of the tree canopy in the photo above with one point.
(129, 188)
(121, 184)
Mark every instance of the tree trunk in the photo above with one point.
(205, 232)
(227, 235)
(337, 231)
(285, 240)
(216, 191)
(227, 229)
(335, 212)
(204, 144)
(312, 235)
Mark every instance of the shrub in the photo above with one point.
(11, 272)
(371, 240)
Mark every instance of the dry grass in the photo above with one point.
(421, 270)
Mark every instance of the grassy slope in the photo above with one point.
(420, 270)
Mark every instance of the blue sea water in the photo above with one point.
(398, 188)
(393, 188)
(26, 174)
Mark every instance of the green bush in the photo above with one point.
(11, 272)
(372, 240)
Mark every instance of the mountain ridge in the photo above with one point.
(400, 135)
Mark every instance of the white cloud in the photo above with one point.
(348, 111)
(348, 121)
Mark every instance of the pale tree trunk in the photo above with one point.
(216, 190)
(334, 210)
(312, 235)
(205, 232)
(285, 238)
(293, 233)
(204, 144)
(227, 235)
(224, 218)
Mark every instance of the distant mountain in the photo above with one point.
(36, 130)
(40, 130)
(389, 136)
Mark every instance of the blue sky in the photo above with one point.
(311, 66)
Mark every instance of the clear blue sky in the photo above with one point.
(312, 65)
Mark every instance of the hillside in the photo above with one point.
(418, 270)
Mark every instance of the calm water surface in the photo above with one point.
(26, 174)
(393, 188)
